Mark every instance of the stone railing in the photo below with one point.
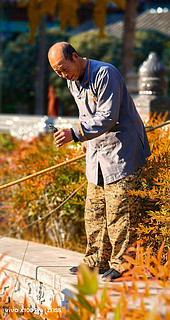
(43, 273)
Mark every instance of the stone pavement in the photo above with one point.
(40, 271)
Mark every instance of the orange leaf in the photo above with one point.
(147, 293)
(160, 251)
(96, 300)
(128, 278)
(163, 272)
(140, 272)
(123, 303)
(142, 306)
(1, 315)
(129, 259)
(134, 287)
(153, 271)
(26, 304)
(12, 312)
(168, 258)
(126, 265)
(166, 298)
(139, 256)
(148, 259)
(153, 259)
(131, 249)
(27, 315)
(54, 303)
(125, 287)
(128, 273)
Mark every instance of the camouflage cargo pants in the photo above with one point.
(108, 221)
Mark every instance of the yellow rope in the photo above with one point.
(150, 128)
(41, 172)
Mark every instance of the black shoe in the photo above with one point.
(111, 274)
(74, 270)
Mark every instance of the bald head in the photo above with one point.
(65, 61)
(61, 50)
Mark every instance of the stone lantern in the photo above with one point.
(152, 88)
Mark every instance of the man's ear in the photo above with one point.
(75, 56)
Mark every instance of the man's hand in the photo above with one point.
(84, 146)
(62, 136)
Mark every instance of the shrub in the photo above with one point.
(152, 225)
(90, 303)
(31, 200)
(89, 45)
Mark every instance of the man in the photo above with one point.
(115, 140)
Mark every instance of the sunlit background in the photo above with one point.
(29, 87)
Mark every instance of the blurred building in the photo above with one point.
(153, 15)
(13, 19)
(148, 20)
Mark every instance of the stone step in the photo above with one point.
(42, 271)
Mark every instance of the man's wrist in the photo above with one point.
(74, 136)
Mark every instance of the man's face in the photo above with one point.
(67, 69)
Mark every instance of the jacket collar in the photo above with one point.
(86, 74)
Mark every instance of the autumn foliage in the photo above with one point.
(153, 221)
(25, 208)
(31, 201)
(67, 12)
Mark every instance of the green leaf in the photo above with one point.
(87, 280)
(85, 303)
(73, 315)
(75, 302)
(103, 298)
(117, 312)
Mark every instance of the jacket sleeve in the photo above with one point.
(109, 88)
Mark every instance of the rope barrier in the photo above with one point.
(46, 215)
(149, 128)
(19, 272)
(59, 165)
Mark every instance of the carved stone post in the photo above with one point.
(152, 88)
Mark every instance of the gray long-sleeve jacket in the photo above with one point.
(110, 122)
